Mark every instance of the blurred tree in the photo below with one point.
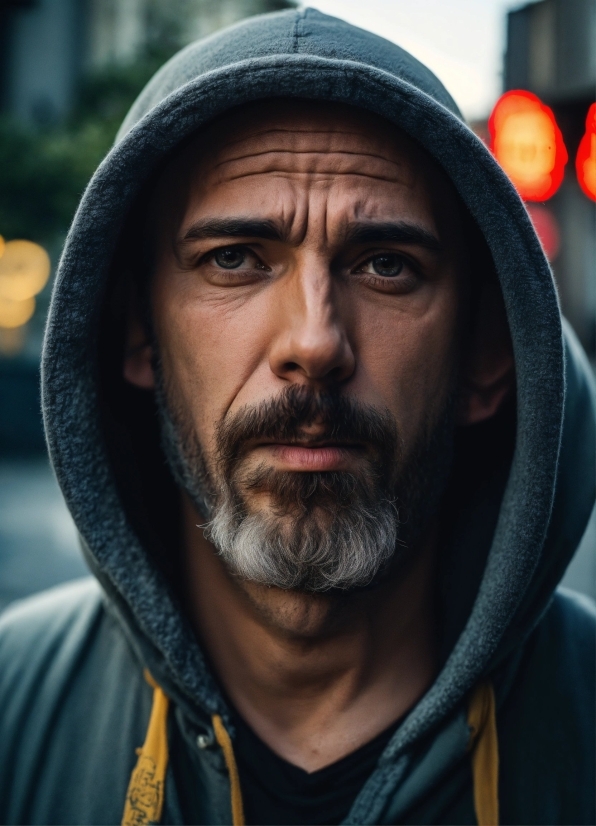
(44, 171)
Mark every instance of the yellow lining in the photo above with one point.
(223, 738)
(485, 755)
(145, 794)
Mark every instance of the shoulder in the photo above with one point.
(573, 611)
(44, 641)
(50, 614)
(570, 626)
(567, 644)
(546, 725)
(559, 658)
(73, 706)
(34, 630)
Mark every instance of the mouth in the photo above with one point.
(311, 456)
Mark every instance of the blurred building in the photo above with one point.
(551, 51)
(119, 29)
(46, 45)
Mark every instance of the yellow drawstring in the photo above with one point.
(223, 738)
(144, 797)
(145, 794)
(485, 755)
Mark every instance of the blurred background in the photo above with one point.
(69, 70)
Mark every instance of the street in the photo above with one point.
(38, 542)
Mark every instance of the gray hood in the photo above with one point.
(512, 534)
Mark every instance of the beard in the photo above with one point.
(319, 531)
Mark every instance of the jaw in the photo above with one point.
(291, 614)
(306, 617)
(300, 616)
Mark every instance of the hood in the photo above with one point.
(528, 477)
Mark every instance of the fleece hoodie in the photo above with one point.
(75, 703)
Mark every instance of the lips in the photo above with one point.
(311, 457)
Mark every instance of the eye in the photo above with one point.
(230, 258)
(232, 265)
(389, 264)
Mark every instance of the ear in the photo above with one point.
(137, 368)
(488, 367)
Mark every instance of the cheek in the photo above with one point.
(211, 349)
(410, 357)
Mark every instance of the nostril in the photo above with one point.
(336, 374)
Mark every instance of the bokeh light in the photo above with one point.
(15, 313)
(24, 270)
(528, 144)
(585, 162)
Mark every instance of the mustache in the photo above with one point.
(283, 418)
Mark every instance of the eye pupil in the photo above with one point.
(229, 258)
(387, 265)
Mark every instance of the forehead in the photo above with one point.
(264, 155)
(316, 139)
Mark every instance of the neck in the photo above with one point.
(314, 675)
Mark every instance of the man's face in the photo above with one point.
(305, 304)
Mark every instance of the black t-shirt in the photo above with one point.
(277, 792)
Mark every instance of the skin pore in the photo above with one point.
(314, 245)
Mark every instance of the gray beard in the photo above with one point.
(324, 531)
(302, 551)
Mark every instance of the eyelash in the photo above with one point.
(371, 278)
(209, 256)
(406, 260)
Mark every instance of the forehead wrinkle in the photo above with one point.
(292, 132)
(363, 209)
(300, 163)
(331, 174)
(292, 207)
(276, 148)
(323, 152)
(286, 146)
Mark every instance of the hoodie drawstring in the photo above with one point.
(485, 755)
(145, 794)
(224, 740)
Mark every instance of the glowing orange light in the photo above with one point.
(527, 142)
(2, 246)
(24, 270)
(585, 161)
(15, 313)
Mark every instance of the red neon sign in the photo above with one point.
(585, 161)
(528, 144)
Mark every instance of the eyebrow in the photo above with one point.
(401, 232)
(233, 228)
(368, 232)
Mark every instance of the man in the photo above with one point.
(308, 398)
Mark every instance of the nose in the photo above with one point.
(312, 344)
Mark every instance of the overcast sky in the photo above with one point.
(461, 41)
